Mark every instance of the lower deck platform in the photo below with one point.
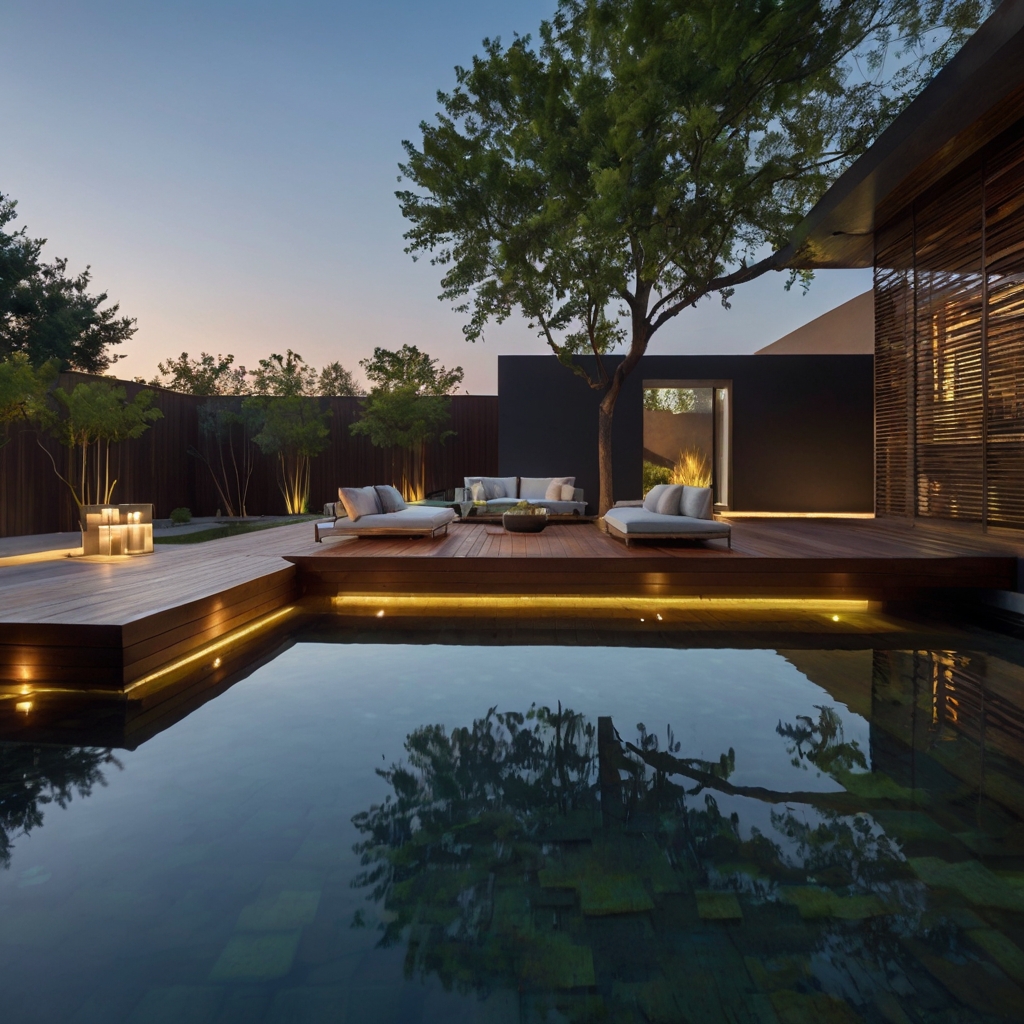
(122, 625)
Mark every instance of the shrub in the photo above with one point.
(654, 474)
(181, 516)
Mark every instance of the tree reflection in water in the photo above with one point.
(32, 777)
(603, 878)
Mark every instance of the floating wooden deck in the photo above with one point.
(115, 625)
(107, 623)
(773, 558)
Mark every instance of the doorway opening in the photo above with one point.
(688, 435)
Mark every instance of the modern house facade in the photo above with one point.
(781, 433)
(936, 206)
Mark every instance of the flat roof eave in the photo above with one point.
(975, 97)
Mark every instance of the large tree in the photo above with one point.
(45, 313)
(646, 154)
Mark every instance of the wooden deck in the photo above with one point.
(105, 623)
(854, 558)
(112, 625)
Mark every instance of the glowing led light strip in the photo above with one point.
(581, 602)
(217, 645)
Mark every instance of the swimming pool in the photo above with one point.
(422, 832)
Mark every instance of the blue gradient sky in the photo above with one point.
(229, 170)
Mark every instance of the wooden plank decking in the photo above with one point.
(869, 559)
(105, 625)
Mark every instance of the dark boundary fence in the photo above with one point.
(157, 467)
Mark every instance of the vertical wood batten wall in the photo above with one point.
(949, 346)
(157, 467)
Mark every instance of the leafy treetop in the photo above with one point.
(45, 313)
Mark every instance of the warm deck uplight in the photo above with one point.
(24, 706)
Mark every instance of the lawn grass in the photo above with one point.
(232, 530)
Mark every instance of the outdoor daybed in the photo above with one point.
(669, 512)
(558, 494)
(381, 512)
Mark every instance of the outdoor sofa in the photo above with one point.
(381, 512)
(669, 512)
(558, 494)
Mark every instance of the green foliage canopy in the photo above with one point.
(646, 154)
(23, 390)
(45, 313)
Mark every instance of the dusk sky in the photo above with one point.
(228, 169)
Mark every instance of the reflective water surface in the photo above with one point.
(414, 833)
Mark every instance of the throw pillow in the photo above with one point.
(477, 491)
(669, 500)
(568, 492)
(698, 503)
(496, 488)
(359, 502)
(553, 491)
(390, 498)
(653, 495)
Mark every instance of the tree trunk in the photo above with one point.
(606, 497)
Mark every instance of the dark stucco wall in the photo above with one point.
(802, 426)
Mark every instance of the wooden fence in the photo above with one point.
(158, 468)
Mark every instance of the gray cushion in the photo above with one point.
(411, 519)
(640, 522)
(653, 496)
(697, 502)
(390, 498)
(537, 486)
(359, 502)
(493, 486)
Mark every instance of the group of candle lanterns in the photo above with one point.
(117, 529)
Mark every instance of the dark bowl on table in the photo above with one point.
(519, 522)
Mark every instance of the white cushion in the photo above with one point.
(359, 502)
(478, 490)
(568, 492)
(553, 491)
(697, 502)
(537, 486)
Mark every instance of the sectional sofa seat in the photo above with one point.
(381, 512)
(669, 512)
(500, 492)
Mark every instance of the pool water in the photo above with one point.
(418, 833)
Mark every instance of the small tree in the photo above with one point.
(293, 429)
(288, 422)
(23, 390)
(408, 406)
(207, 375)
(88, 421)
(226, 448)
(336, 382)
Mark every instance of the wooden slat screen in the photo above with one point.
(1004, 263)
(894, 370)
(950, 409)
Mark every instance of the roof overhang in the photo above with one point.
(974, 98)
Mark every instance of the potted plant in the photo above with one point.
(525, 518)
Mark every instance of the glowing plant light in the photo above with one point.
(24, 706)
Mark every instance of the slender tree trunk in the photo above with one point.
(606, 411)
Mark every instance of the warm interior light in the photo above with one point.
(25, 706)
(835, 618)
(380, 614)
(216, 662)
(659, 616)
